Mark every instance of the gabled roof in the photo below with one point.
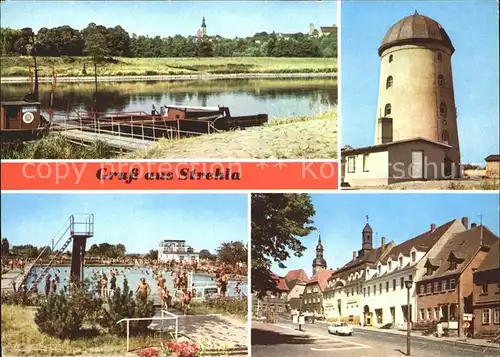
(492, 260)
(327, 28)
(383, 147)
(321, 278)
(462, 247)
(423, 242)
(280, 282)
(296, 275)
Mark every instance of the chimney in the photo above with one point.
(433, 227)
(473, 225)
(382, 242)
(353, 255)
(465, 222)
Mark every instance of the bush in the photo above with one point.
(20, 298)
(123, 305)
(62, 315)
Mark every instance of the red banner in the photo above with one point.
(120, 175)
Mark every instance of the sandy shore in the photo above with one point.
(308, 139)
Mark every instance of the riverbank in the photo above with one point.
(15, 69)
(155, 78)
(295, 138)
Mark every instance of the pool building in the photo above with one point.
(171, 249)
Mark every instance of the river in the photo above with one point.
(279, 98)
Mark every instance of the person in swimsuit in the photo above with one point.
(143, 290)
(112, 283)
(104, 286)
(186, 301)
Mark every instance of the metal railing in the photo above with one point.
(126, 125)
(162, 318)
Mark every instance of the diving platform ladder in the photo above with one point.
(77, 228)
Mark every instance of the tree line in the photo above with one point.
(228, 252)
(106, 42)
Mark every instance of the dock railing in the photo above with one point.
(162, 318)
(125, 125)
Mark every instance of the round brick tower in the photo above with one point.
(416, 97)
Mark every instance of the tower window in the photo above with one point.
(445, 136)
(442, 109)
(387, 110)
(440, 57)
(390, 58)
(388, 83)
(441, 80)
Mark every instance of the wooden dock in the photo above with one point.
(84, 137)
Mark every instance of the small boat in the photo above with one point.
(21, 120)
(172, 121)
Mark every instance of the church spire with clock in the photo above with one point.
(319, 263)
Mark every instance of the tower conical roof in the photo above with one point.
(415, 28)
(367, 229)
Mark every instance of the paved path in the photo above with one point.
(215, 332)
(283, 340)
(8, 278)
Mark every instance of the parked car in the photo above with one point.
(340, 328)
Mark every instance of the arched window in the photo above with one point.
(440, 57)
(445, 137)
(442, 109)
(390, 58)
(388, 83)
(387, 110)
(441, 80)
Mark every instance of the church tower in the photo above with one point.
(367, 240)
(416, 97)
(319, 262)
(203, 27)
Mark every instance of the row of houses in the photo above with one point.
(454, 272)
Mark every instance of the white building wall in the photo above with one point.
(393, 298)
(178, 257)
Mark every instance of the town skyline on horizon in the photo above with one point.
(227, 19)
(341, 231)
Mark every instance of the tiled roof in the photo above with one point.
(492, 260)
(280, 283)
(327, 28)
(423, 242)
(321, 277)
(462, 246)
(492, 158)
(294, 276)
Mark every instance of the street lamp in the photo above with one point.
(408, 285)
(300, 311)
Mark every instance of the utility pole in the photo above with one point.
(33, 53)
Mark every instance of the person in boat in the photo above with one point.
(143, 290)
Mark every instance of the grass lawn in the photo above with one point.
(72, 66)
(21, 337)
